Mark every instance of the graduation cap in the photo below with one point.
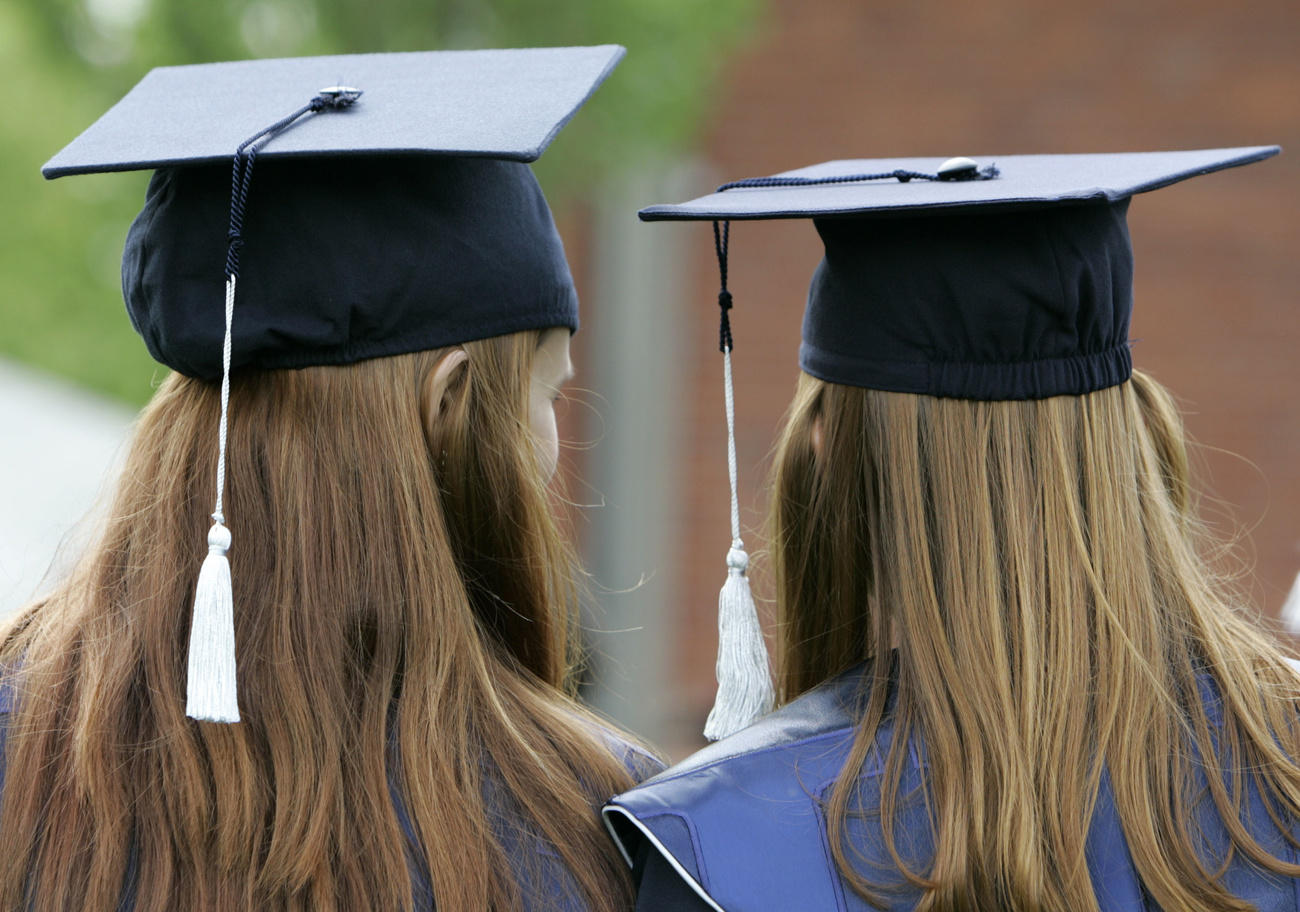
(1006, 278)
(393, 211)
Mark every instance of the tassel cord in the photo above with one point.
(729, 398)
(212, 679)
(241, 182)
(721, 237)
(744, 679)
(901, 175)
(217, 514)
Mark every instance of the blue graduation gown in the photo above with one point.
(740, 825)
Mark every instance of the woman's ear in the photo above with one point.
(815, 437)
(440, 385)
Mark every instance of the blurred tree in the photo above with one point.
(60, 243)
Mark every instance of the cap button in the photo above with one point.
(958, 169)
(339, 96)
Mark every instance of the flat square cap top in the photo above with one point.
(1023, 180)
(505, 104)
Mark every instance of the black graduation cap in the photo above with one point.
(1009, 277)
(1006, 278)
(393, 211)
(396, 217)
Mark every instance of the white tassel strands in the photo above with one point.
(744, 681)
(211, 693)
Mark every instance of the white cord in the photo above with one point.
(225, 401)
(729, 396)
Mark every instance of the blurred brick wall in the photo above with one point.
(1217, 266)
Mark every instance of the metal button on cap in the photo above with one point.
(340, 96)
(958, 168)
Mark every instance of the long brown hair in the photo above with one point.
(1038, 567)
(405, 631)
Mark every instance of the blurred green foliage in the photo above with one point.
(69, 60)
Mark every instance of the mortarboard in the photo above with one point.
(1011, 283)
(393, 211)
(1008, 278)
(403, 221)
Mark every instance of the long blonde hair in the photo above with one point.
(405, 632)
(1037, 566)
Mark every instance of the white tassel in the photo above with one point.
(1291, 609)
(744, 679)
(211, 684)
(211, 689)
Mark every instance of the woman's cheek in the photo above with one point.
(545, 435)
